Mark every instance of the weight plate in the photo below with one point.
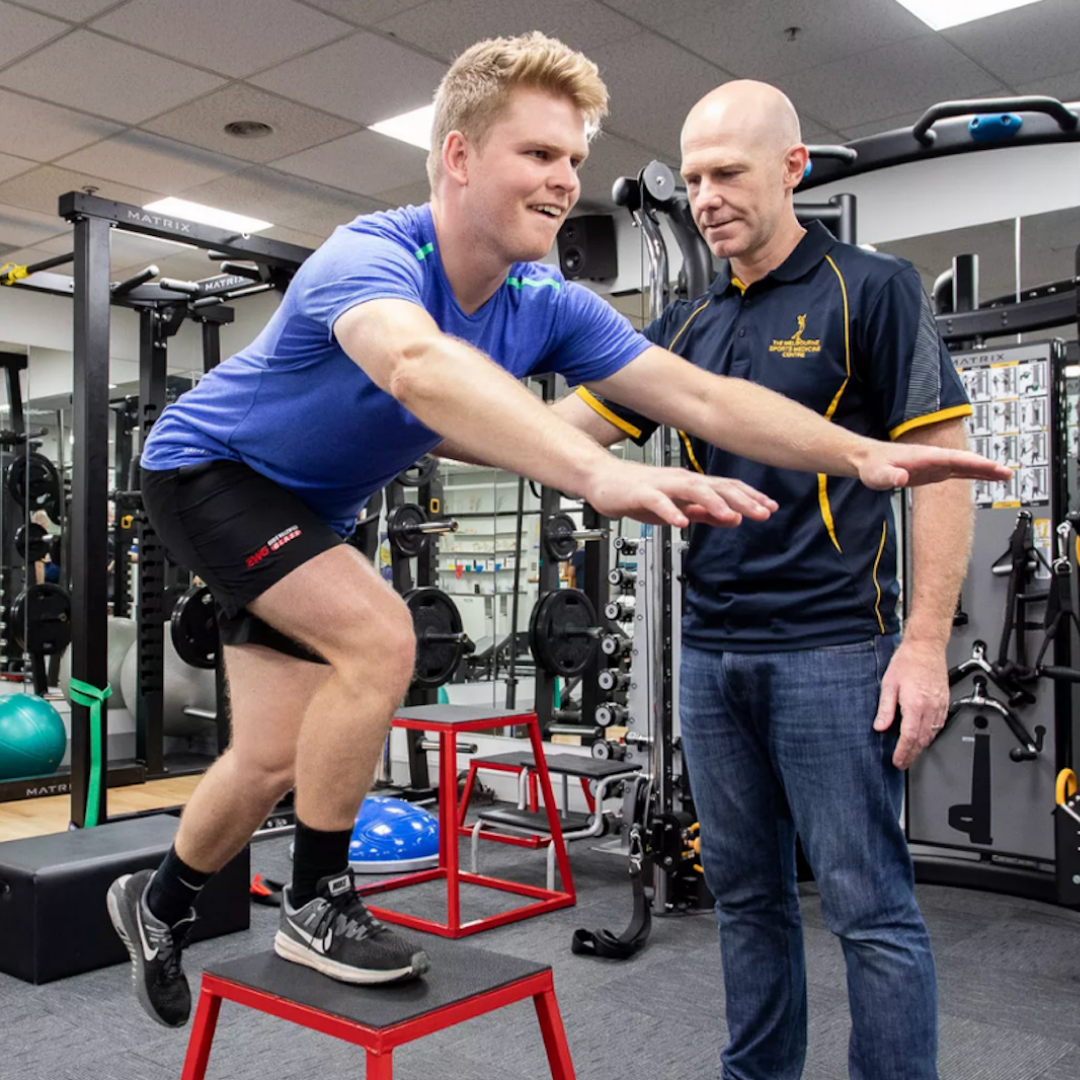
(434, 614)
(194, 628)
(559, 536)
(558, 634)
(39, 545)
(419, 473)
(401, 524)
(41, 620)
(34, 474)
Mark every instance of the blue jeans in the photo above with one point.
(782, 743)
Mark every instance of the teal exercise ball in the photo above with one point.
(32, 737)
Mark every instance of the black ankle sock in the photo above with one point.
(316, 854)
(174, 888)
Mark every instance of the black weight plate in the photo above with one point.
(35, 475)
(41, 619)
(556, 632)
(433, 612)
(194, 628)
(559, 536)
(419, 473)
(399, 523)
(38, 546)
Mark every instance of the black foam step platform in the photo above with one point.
(534, 820)
(53, 919)
(458, 972)
(562, 764)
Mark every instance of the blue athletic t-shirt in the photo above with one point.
(294, 407)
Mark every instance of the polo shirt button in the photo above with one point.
(742, 332)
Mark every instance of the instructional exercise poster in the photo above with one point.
(1009, 391)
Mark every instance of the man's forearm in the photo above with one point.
(942, 525)
(488, 416)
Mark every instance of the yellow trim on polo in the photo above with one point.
(690, 451)
(823, 480)
(930, 418)
(597, 405)
(877, 586)
(690, 318)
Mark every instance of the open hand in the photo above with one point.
(916, 680)
(891, 465)
(674, 496)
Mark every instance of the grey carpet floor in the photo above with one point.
(1009, 976)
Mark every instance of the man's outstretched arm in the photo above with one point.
(753, 422)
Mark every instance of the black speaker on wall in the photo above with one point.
(587, 248)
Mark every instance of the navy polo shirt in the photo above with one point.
(850, 334)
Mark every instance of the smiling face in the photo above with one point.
(521, 181)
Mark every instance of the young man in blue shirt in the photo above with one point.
(407, 329)
(792, 668)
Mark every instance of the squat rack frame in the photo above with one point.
(93, 220)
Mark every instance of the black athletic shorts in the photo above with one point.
(240, 533)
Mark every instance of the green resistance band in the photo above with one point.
(84, 694)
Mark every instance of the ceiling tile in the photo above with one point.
(651, 109)
(40, 189)
(25, 30)
(12, 166)
(296, 127)
(38, 130)
(102, 76)
(414, 194)
(75, 10)
(322, 218)
(1062, 87)
(236, 38)
(263, 193)
(1020, 46)
(448, 27)
(293, 236)
(364, 162)
(660, 16)
(911, 74)
(26, 256)
(748, 38)
(366, 78)
(151, 162)
(26, 227)
(364, 12)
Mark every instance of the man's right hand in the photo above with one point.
(673, 496)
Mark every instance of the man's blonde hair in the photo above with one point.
(479, 83)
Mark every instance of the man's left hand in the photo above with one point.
(890, 465)
(917, 680)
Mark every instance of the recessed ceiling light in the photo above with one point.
(413, 127)
(941, 14)
(208, 215)
(248, 129)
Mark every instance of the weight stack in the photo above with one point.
(53, 920)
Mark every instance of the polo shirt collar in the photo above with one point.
(810, 251)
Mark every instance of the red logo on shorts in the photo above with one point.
(274, 544)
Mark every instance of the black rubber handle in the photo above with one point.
(1066, 118)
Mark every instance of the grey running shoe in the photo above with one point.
(155, 950)
(337, 935)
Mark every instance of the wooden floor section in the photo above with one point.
(52, 813)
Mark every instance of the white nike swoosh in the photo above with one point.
(150, 954)
(321, 945)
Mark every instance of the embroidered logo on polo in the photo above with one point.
(797, 347)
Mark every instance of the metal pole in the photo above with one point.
(89, 522)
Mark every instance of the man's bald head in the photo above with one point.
(742, 158)
(750, 113)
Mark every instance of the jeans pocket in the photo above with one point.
(853, 647)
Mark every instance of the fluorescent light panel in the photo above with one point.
(413, 127)
(941, 14)
(208, 215)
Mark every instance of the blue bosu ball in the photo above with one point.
(32, 737)
(392, 836)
